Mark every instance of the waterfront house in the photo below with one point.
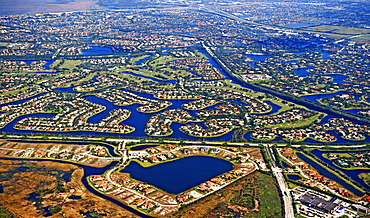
(357, 164)
(124, 180)
(287, 150)
(39, 153)
(367, 198)
(147, 205)
(97, 178)
(148, 191)
(343, 164)
(170, 146)
(183, 198)
(139, 201)
(153, 159)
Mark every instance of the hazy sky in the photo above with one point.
(34, 6)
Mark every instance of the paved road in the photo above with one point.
(287, 198)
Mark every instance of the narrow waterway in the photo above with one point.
(324, 172)
(353, 174)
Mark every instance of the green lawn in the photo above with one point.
(71, 64)
(296, 124)
(365, 177)
(362, 38)
(4, 213)
(269, 200)
(339, 29)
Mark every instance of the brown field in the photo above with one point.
(255, 195)
(44, 178)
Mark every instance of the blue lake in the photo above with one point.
(324, 172)
(302, 24)
(302, 72)
(294, 177)
(337, 78)
(46, 66)
(66, 89)
(179, 175)
(97, 50)
(256, 58)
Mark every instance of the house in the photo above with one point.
(124, 180)
(287, 150)
(148, 191)
(170, 146)
(139, 201)
(185, 151)
(367, 198)
(106, 187)
(343, 164)
(218, 181)
(357, 164)
(203, 188)
(183, 198)
(242, 160)
(153, 159)
(97, 178)
(227, 176)
(39, 153)
(231, 156)
(147, 205)
(100, 152)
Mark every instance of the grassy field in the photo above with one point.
(162, 60)
(255, 195)
(364, 38)
(3, 44)
(365, 177)
(267, 191)
(338, 30)
(4, 214)
(70, 64)
(296, 124)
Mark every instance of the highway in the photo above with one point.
(287, 198)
